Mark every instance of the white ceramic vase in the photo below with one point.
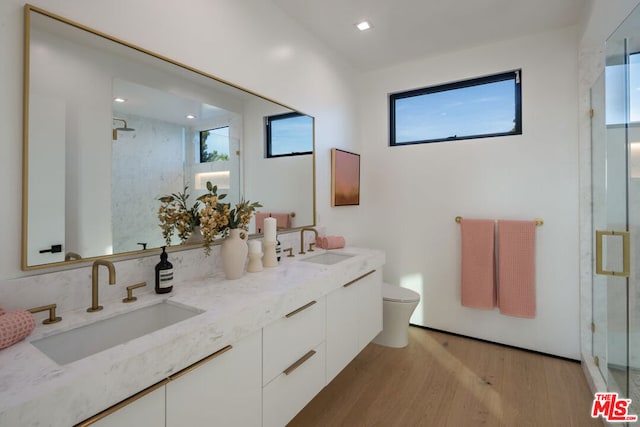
(195, 236)
(234, 252)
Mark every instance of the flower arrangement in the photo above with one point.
(175, 216)
(214, 218)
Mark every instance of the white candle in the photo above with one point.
(270, 229)
(255, 246)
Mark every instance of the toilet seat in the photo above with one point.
(398, 294)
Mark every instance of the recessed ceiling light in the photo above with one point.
(364, 25)
(119, 100)
(191, 116)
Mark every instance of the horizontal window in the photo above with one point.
(477, 108)
(289, 134)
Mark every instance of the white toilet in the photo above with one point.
(397, 305)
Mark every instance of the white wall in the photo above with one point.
(413, 193)
(76, 76)
(251, 43)
(263, 178)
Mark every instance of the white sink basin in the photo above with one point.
(76, 344)
(327, 258)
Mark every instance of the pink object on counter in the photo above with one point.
(516, 271)
(330, 242)
(478, 288)
(15, 326)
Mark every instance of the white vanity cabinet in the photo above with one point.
(142, 409)
(354, 318)
(293, 362)
(225, 389)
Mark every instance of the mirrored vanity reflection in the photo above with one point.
(111, 127)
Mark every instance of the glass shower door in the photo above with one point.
(609, 191)
(616, 213)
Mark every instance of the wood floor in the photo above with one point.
(447, 380)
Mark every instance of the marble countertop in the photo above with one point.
(34, 390)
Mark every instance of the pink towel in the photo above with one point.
(260, 216)
(282, 220)
(15, 326)
(330, 242)
(478, 263)
(516, 271)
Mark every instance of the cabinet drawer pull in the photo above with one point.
(296, 311)
(120, 405)
(299, 362)
(200, 363)
(359, 278)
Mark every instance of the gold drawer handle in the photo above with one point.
(299, 362)
(296, 311)
(626, 261)
(359, 278)
(118, 406)
(200, 363)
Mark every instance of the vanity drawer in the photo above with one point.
(289, 392)
(291, 337)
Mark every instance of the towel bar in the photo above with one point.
(539, 221)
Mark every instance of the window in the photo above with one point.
(214, 145)
(478, 108)
(289, 134)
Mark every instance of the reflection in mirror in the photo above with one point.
(111, 129)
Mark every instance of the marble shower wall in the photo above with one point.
(146, 164)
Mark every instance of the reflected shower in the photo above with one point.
(126, 128)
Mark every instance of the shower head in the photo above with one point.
(126, 128)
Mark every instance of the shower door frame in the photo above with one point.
(616, 215)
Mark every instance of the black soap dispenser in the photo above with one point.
(164, 274)
(278, 248)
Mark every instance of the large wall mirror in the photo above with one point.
(111, 127)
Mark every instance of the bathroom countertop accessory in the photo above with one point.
(15, 326)
(94, 282)
(302, 252)
(330, 242)
(270, 258)
(130, 288)
(255, 256)
(52, 313)
(164, 274)
(269, 243)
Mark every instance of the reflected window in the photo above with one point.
(289, 134)
(477, 108)
(214, 145)
(634, 85)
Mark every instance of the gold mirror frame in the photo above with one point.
(25, 173)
